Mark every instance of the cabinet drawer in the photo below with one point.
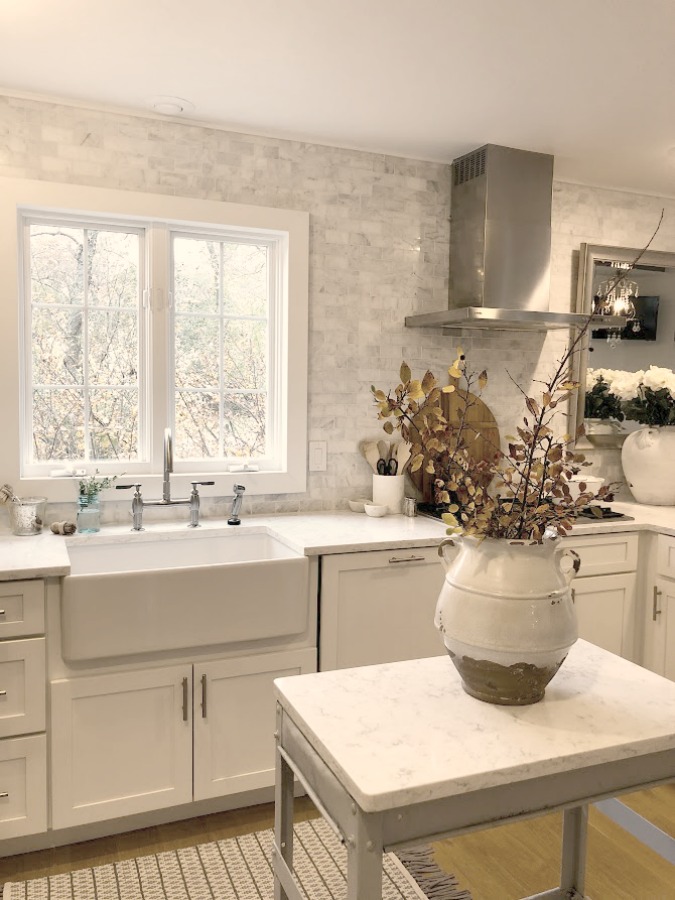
(605, 554)
(22, 608)
(23, 786)
(22, 686)
(665, 556)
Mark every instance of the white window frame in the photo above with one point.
(18, 197)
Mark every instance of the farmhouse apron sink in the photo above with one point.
(168, 593)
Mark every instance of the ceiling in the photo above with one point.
(590, 81)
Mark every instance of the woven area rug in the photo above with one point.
(240, 869)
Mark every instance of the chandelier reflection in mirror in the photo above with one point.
(614, 297)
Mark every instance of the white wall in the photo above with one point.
(378, 251)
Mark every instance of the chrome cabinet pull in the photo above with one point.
(655, 605)
(185, 699)
(2, 612)
(405, 559)
(203, 696)
(3, 795)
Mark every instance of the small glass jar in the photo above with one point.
(88, 514)
(27, 515)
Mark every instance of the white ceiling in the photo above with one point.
(590, 81)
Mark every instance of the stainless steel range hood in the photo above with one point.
(500, 245)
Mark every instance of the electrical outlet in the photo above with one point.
(317, 456)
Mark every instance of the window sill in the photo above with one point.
(64, 490)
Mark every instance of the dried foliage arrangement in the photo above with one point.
(518, 493)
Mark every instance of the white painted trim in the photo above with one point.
(77, 199)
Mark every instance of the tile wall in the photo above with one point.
(378, 251)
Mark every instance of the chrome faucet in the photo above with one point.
(236, 504)
(168, 466)
(138, 503)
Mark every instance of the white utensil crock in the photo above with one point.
(388, 491)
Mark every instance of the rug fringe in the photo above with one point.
(436, 884)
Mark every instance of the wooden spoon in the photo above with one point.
(371, 452)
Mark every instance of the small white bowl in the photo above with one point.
(375, 510)
(358, 505)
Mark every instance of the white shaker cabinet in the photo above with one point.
(234, 720)
(378, 606)
(121, 743)
(124, 742)
(23, 744)
(605, 590)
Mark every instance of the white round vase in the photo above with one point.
(506, 615)
(647, 458)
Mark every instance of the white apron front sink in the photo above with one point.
(125, 598)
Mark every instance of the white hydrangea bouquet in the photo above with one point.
(645, 396)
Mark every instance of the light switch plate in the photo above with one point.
(317, 456)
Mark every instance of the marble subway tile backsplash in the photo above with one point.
(378, 251)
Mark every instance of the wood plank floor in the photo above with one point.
(503, 863)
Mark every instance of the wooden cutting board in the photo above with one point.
(480, 418)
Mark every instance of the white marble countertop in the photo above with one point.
(311, 534)
(406, 732)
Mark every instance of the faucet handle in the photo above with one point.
(195, 483)
(238, 488)
(124, 487)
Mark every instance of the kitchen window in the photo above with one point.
(132, 323)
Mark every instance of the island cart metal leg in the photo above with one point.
(573, 869)
(364, 857)
(284, 889)
(573, 865)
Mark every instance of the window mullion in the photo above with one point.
(85, 343)
(221, 359)
(161, 342)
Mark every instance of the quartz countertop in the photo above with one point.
(435, 741)
(312, 534)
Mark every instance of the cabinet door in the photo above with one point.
(121, 743)
(22, 686)
(23, 786)
(659, 650)
(379, 607)
(605, 608)
(235, 719)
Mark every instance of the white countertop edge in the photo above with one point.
(311, 534)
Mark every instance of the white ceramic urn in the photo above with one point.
(506, 615)
(648, 460)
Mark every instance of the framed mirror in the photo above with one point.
(646, 297)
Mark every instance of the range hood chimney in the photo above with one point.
(500, 244)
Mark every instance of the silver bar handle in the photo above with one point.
(405, 559)
(2, 612)
(3, 693)
(203, 696)
(655, 605)
(185, 699)
(3, 795)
